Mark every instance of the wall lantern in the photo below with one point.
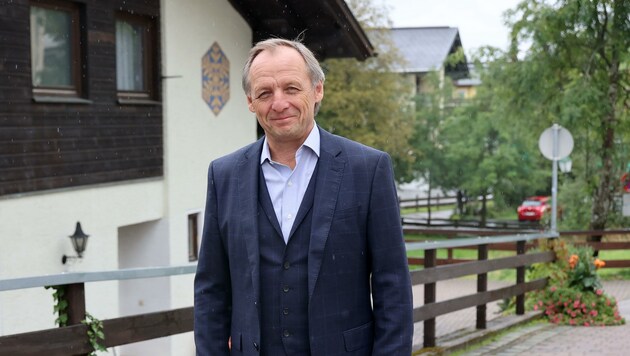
(79, 242)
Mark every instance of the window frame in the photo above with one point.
(193, 236)
(149, 59)
(76, 55)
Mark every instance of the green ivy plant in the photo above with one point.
(61, 304)
(95, 333)
(94, 326)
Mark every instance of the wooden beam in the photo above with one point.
(72, 340)
(433, 310)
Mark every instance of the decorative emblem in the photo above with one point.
(215, 78)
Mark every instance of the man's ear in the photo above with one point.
(319, 92)
(250, 104)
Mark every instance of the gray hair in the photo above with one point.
(314, 70)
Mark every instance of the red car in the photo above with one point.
(533, 208)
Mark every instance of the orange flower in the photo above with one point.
(573, 260)
(599, 263)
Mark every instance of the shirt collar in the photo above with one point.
(312, 142)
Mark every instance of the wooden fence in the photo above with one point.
(432, 273)
(577, 238)
(418, 202)
(72, 339)
(491, 224)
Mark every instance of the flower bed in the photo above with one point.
(574, 294)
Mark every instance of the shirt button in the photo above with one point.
(287, 265)
(290, 183)
(289, 216)
(285, 311)
(285, 289)
(286, 333)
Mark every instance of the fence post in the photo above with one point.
(75, 295)
(429, 297)
(482, 286)
(520, 279)
(76, 303)
(429, 208)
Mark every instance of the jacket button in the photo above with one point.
(285, 289)
(256, 346)
(285, 311)
(286, 333)
(287, 265)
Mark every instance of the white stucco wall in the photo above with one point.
(34, 232)
(194, 135)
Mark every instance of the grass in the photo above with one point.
(405, 211)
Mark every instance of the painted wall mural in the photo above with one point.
(215, 78)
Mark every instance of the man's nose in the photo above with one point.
(280, 102)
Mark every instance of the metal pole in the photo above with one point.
(554, 179)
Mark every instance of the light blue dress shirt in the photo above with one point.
(287, 187)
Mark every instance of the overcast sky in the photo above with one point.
(480, 22)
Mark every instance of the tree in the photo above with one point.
(367, 101)
(575, 73)
(482, 156)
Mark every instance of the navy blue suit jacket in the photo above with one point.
(359, 289)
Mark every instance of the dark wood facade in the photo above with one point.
(48, 142)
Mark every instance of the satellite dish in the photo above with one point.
(565, 143)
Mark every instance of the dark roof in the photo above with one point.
(425, 48)
(330, 29)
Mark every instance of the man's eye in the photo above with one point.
(263, 95)
(292, 90)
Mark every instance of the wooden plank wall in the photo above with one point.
(56, 145)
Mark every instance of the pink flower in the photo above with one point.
(576, 304)
(593, 304)
(594, 312)
(535, 306)
(586, 323)
(599, 292)
(572, 321)
(553, 288)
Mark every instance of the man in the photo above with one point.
(302, 250)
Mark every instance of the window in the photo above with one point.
(55, 51)
(193, 237)
(134, 57)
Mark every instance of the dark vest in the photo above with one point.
(284, 276)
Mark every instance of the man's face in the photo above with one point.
(282, 95)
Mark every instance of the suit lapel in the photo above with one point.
(247, 169)
(330, 172)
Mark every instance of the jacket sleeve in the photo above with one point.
(213, 299)
(391, 283)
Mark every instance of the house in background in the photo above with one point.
(466, 88)
(110, 112)
(425, 50)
